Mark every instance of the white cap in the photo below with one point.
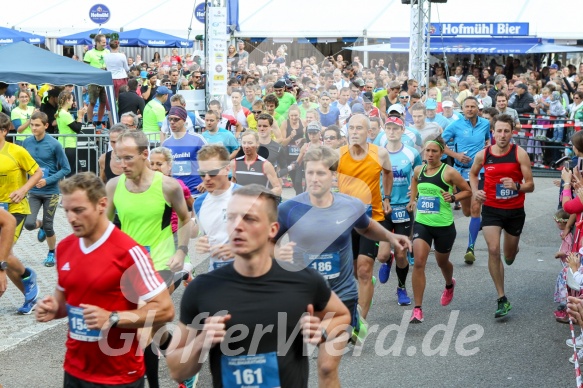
(447, 104)
(397, 108)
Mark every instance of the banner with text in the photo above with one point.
(217, 38)
(469, 29)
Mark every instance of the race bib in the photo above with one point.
(504, 193)
(4, 205)
(181, 168)
(399, 215)
(45, 172)
(258, 371)
(219, 264)
(293, 150)
(78, 329)
(428, 205)
(327, 264)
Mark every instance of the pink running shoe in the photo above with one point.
(447, 295)
(417, 315)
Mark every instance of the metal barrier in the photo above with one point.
(546, 140)
(84, 156)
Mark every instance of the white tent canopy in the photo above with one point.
(297, 19)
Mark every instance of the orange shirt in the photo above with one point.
(362, 179)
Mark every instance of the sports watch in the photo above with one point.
(113, 319)
(3, 265)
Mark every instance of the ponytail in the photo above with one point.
(62, 101)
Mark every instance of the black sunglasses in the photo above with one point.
(330, 138)
(257, 112)
(210, 173)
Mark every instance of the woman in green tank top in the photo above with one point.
(432, 196)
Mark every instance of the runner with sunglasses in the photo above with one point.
(211, 207)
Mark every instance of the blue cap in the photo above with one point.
(430, 104)
(143, 74)
(161, 90)
(357, 108)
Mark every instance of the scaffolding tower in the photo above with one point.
(419, 42)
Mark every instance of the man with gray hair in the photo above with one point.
(499, 83)
(130, 120)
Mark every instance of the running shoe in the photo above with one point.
(579, 357)
(417, 315)
(190, 383)
(457, 205)
(41, 235)
(359, 335)
(447, 295)
(578, 342)
(469, 257)
(374, 284)
(27, 307)
(50, 260)
(410, 258)
(561, 316)
(402, 297)
(503, 308)
(385, 270)
(508, 261)
(31, 290)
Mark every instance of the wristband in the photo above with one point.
(517, 186)
(387, 197)
(183, 248)
(566, 193)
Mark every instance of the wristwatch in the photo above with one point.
(386, 197)
(3, 265)
(324, 336)
(183, 248)
(113, 319)
(452, 198)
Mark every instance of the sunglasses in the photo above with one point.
(167, 84)
(561, 220)
(404, 97)
(330, 138)
(256, 112)
(210, 173)
(174, 119)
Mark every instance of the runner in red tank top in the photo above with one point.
(507, 178)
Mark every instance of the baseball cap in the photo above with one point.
(447, 104)
(279, 84)
(325, 94)
(521, 86)
(400, 109)
(357, 108)
(394, 120)
(314, 126)
(53, 93)
(143, 74)
(554, 66)
(430, 104)
(161, 90)
(367, 96)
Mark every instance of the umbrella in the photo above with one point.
(8, 35)
(143, 37)
(82, 38)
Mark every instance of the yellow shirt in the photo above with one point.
(15, 164)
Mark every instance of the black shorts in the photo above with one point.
(480, 183)
(511, 220)
(352, 306)
(74, 382)
(363, 246)
(442, 237)
(402, 228)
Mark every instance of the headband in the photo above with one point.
(436, 142)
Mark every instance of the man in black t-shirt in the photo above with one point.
(130, 101)
(247, 315)
(49, 107)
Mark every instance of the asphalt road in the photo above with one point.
(460, 345)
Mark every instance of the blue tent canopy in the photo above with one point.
(40, 66)
(476, 46)
(82, 38)
(143, 37)
(8, 36)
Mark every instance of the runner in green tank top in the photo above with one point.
(431, 194)
(144, 200)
